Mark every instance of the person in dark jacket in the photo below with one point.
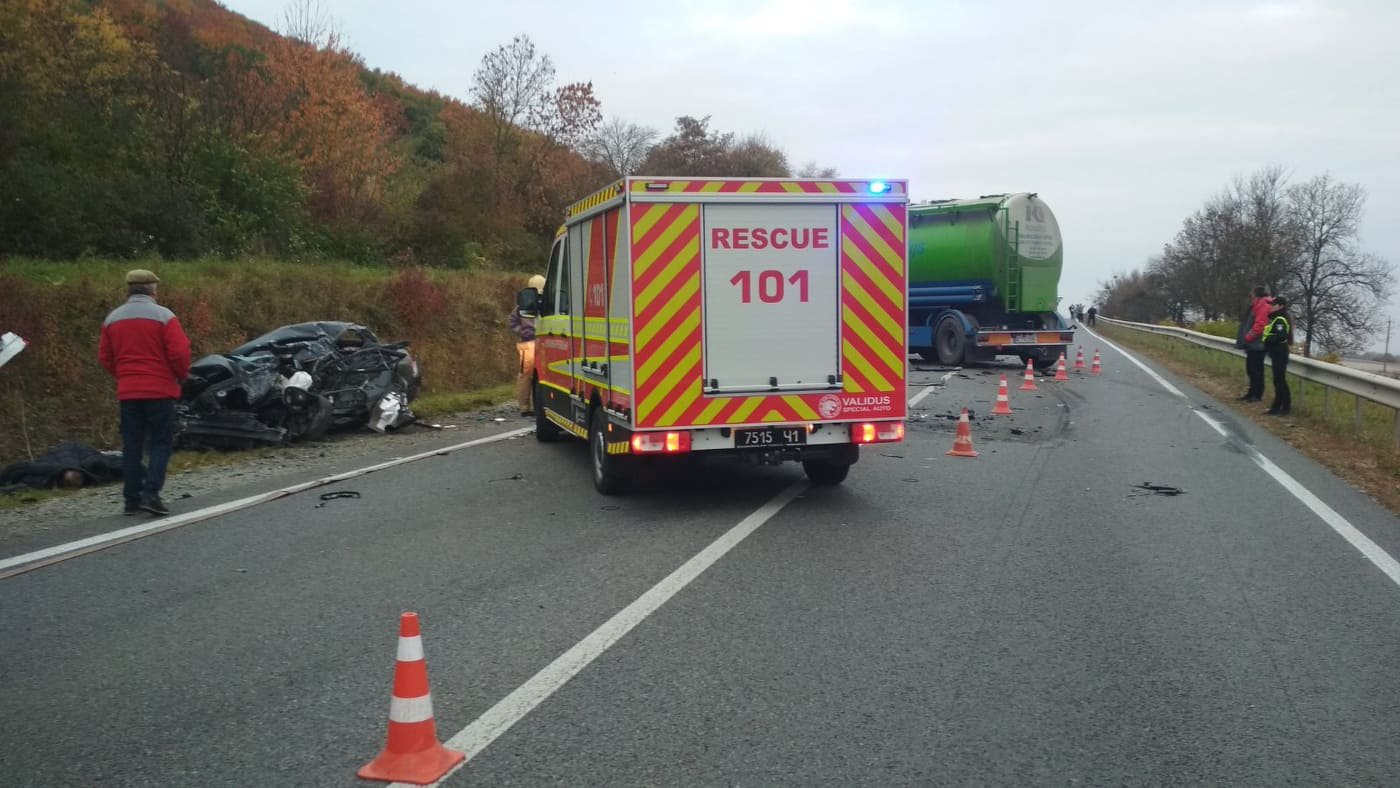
(1093, 315)
(1251, 339)
(1278, 336)
(524, 329)
(146, 350)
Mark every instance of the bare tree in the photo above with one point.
(310, 23)
(1339, 288)
(620, 145)
(812, 170)
(514, 85)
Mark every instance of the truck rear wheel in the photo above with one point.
(546, 431)
(949, 341)
(826, 472)
(610, 471)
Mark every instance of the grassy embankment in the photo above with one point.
(56, 391)
(1354, 441)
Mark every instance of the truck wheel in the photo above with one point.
(545, 430)
(826, 472)
(609, 470)
(949, 341)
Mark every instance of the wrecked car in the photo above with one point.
(297, 383)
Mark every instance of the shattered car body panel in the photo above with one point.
(295, 383)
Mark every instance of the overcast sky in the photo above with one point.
(1123, 116)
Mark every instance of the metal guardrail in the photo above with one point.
(1365, 385)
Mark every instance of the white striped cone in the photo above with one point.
(412, 753)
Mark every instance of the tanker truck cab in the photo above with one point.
(758, 318)
(984, 275)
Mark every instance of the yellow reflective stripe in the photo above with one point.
(828, 187)
(742, 414)
(877, 276)
(648, 216)
(749, 187)
(711, 411)
(792, 188)
(683, 402)
(801, 407)
(682, 333)
(882, 317)
(664, 241)
(861, 363)
(873, 239)
(672, 271)
(887, 218)
(876, 344)
(712, 186)
(657, 397)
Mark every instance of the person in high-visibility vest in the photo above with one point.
(1278, 335)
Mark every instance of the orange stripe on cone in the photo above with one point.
(962, 442)
(1096, 368)
(412, 753)
(1003, 406)
(1060, 372)
(1079, 358)
(1029, 384)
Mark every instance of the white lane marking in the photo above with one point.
(512, 708)
(1161, 380)
(50, 555)
(1345, 529)
(920, 396)
(1378, 556)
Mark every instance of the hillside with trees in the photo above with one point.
(177, 128)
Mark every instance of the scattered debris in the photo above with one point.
(331, 496)
(515, 477)
(1017, 431)
(1156, 489)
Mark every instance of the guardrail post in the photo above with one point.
(1326, 402)
(1396, 436)
(1357, 417)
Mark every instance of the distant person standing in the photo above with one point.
(1278, 335)
(146, 350)
(524, 328)
(1251, 339)
(1093, 315)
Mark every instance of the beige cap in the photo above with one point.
(536, 282)
(141, 276)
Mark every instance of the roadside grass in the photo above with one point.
(1349, 435)
(448, 402)
(31, 497)
(55, 391)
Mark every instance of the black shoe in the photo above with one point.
(1248, 398)
(132, 508)
(154, 505)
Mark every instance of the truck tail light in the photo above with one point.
(877, 432)
(661, 443)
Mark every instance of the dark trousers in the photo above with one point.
(1278, 357)
(1254, 367)
(148, 425)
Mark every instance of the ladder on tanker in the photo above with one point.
(1011, 261)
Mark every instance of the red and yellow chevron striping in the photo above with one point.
(872, 297)
(708, 186)
(666, 311)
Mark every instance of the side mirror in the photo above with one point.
(528, 301)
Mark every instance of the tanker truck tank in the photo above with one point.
(984, 279)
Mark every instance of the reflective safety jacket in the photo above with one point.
(1278, 331)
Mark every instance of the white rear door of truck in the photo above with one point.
(772, 298)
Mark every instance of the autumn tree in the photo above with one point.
(1337, 287)
(693, 149)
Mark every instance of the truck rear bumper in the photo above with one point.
(769, 442)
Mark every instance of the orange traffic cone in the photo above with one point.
(1060, 372)
(1029, 384)
(962, 443)
(413, 753)
(1079, 358)
(1003, 406)
(1096, 368)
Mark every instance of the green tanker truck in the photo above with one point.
(983, 276)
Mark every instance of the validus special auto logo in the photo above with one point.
(829, 406)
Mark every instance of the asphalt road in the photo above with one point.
(1025, 617)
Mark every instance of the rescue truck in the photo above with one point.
(759, 317)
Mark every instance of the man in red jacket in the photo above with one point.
(148, 353)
